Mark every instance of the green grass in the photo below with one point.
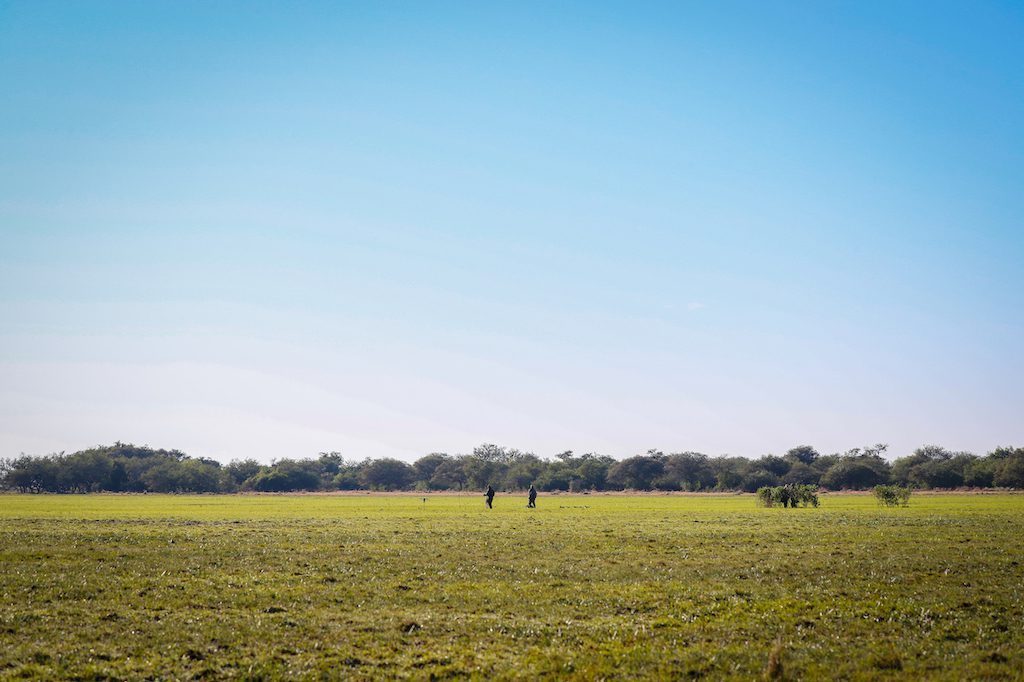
(584, 586)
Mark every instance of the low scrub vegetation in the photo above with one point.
(892, 495)
(791, 495)
(128, 468)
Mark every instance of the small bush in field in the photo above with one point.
(790, 495)
(892, 495)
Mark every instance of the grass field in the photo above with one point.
(590, 587)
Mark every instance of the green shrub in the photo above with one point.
(892, 495)
(791, 495)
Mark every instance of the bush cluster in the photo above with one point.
(791, 495)
(892, 495)
(128, 468)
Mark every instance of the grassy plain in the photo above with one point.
(591, 587)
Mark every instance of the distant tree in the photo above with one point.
(1004, 453)
(933, 452)
(450, 475)
(330, 463)
(524, 471)
(592, 471)
(876, 450)
(83, 472)
(347, 478)
(1009, 471)
(134, 469)
(637, 473)
(426, 466)
(555, 476)
(118, 480)
(856, 472)
(980, 473)
(287, 475)
(729, 472)
(481, 472)
(779, 466)
(689, 471)
(199, 476)
(802, 453)
(242, 470)
(163, 477)
(933, 466)
(757, 478)
(489, 452)
(387, 474)
(903, 466)
(800, 473)
(32, 474)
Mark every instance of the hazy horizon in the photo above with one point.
(263, 230)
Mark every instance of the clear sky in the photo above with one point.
(392, 228)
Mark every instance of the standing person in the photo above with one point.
(533, 497)
(490, 496)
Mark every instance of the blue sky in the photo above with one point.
(269, 230)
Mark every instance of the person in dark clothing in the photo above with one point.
(533, 497)
(490, 496)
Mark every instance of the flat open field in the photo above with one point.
(584, 586)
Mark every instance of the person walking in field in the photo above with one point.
(490, 496)
(533, 497)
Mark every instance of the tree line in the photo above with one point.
(124, 467)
